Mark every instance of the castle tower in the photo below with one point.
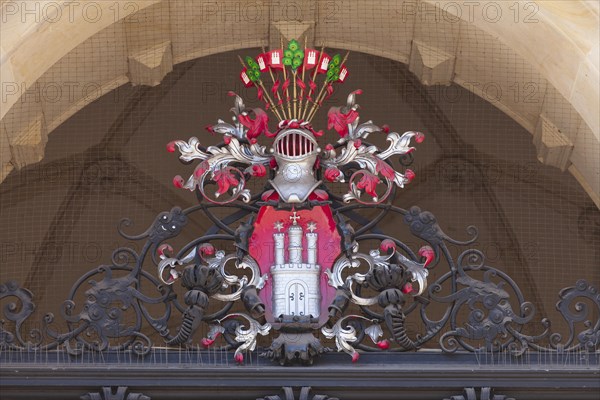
(295, 240)
(279, 239)
(311, 244)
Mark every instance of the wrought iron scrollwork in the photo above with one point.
(485, 393)
(304, 394)
(17, 313)
(114, 314)
(121, 393)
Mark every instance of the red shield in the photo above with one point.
(295, 288)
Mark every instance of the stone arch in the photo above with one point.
(434, 38)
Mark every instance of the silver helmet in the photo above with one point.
(295, 151)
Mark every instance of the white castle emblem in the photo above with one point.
(261, 63)
(296, 282)
(275, 58)
(343, 74)
(245, 78)
(312, 56)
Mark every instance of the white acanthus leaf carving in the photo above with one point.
(362, 155)
(375, 332)
(353, 194)
(172, 263)
(363, 130)
(257, 280)
(342, 337)
(238, 108)
(245, 195)
(356, 131)
(417, 271)
(236, 152)
(216, 158)
(190, 150)
(247, 336)
(247, 262)
(368, 158)
(225, 128)
(365, 156)
(361, 301)
(335, 275)
(398, 144)
(336, 280)
(400, 179)
(380, 260)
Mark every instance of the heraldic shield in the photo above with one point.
(297, 250)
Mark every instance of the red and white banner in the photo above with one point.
(276, 59)
(322, 68)
(245, 78)
(263, 62)
(343, 74)
(311, 58)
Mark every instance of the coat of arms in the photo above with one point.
(292, 268)
(297, 248)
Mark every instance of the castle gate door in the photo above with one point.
(296, 294)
